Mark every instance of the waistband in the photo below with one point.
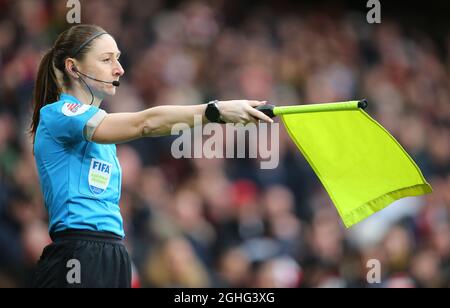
(85, 235)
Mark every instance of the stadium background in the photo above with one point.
(226, 223)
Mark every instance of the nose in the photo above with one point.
(118, 70)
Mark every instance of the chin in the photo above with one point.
(110, 92)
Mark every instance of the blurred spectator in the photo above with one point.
(234, 269)
(176, 265)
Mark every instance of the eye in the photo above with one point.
(106, 60)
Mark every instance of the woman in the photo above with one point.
(74, 147)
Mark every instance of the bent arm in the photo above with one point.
(152, 122)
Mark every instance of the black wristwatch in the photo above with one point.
(212, 113)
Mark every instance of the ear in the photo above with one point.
(70, 66)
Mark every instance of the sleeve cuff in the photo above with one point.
(93, 123)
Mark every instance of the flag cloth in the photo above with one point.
(362, 167)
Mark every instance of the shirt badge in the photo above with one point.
(99, 176)
(73, 109)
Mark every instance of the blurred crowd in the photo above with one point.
(226, 222)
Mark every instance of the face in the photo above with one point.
(102, 62)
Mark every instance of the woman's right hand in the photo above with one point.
(242, 111)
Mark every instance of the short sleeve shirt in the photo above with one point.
(80, 179)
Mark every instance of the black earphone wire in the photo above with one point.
(92, 94)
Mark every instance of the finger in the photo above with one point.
(256, 103)
(252, 119)
(259, 115)
(248, 118)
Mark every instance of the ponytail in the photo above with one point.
(46, 89)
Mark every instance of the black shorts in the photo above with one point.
(84, 259)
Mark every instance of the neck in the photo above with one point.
(84, 96)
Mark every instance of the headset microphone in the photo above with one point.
(114, 83)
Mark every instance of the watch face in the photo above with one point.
(212, 112)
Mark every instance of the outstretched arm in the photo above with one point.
(158, 121)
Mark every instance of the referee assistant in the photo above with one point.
(75, 153)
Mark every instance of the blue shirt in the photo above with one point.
(80, 179)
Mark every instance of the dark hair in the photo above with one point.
(75, 42)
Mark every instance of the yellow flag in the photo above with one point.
(362, 167)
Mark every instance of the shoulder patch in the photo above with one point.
(73, 109)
